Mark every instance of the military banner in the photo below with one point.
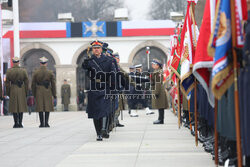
(175, 54)
(189, 36)
(220, 44)
(203, 63)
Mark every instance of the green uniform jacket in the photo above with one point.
(18, 101)
(44, 96)
(121, 96)
(65, 94)
(159, 99)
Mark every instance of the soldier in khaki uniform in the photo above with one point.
(44, 89)
(65, 94)
(160, 101)
(17, 89)
(124, 78)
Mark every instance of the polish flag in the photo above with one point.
(40, 30)
(148, 28)
(202, 61)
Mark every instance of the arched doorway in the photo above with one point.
(81, 73)
(30, 61)
(141, 57)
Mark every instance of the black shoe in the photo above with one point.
(16, 126)
(99, 138)
(47, 125)
(20, 125)
(41, 126)
(119, 125)
(158, 122)
(104, 134)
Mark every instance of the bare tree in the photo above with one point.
(160, 9)
(47, 10)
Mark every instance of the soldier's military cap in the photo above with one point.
(105, 46)
(116, 55)
(43, 60)
(15, 59)
(96, 43)
(132, 67)
(138, 66)
(110, 51)
(156, 61)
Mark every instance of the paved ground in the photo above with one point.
(70, 142)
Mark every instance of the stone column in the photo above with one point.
(66, 72)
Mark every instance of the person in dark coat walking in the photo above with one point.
(99, 68)
(44, 89)
(17, 89)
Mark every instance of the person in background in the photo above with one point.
(17, 89)
(81, 97)
(30, 102)
(159, 101)
(44, 90)
(6, 100)
(65, 94)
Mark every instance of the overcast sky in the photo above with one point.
(138, 8)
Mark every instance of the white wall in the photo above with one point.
(66, 48)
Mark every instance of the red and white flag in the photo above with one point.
(240, 18)
(202, 61)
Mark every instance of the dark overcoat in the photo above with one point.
(43, 95)
(99, 70)
(18, 101)
(65, 94)
(159, 100)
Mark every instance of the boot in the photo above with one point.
(119, 125)
(41, 120)
(160, 117)
(97, 123)
(20, 116)
(99, 138)
(97, 126)
(15, 116)
(47, 120)
(104, 131)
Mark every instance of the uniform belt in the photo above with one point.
(18, 83)
(46, 84)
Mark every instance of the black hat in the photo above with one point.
(105, 46)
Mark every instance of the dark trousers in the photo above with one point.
(101, 125)
(44, 118)
(161, 114)
(18, 118)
